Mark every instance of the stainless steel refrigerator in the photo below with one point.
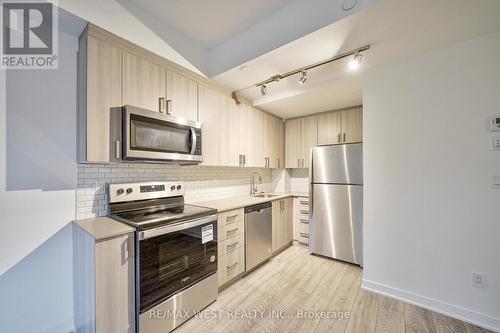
(336, 199)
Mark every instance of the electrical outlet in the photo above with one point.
(478, 280)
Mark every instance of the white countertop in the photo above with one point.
(104, 227)
(230, 203)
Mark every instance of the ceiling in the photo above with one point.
(396, 29)
(209, 23)
(217, 35)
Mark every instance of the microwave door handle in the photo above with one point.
(193, 140)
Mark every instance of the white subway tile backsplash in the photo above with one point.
(201, 182)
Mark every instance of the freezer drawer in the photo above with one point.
(336, 222)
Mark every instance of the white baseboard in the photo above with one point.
(454, 311)
(66, 326)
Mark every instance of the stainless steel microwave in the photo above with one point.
(139, 134)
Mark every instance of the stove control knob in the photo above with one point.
(130, 190)
(172, 187)
(120, 191)
(179, 187)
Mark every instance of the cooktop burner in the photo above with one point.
(151, 217)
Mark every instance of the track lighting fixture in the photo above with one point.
(303, 78)
(353, 65)
(263, 90)
(356, 61)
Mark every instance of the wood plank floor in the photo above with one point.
(273, 297)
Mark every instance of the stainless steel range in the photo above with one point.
(176, 252)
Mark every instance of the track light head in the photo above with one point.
(263, 90)
(303, 78)
(356, 61)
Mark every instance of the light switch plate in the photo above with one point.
(496, 180)
(495, 123)
(496, 142)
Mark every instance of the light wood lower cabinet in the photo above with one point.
(282, 225)
(301, 220)
(104, 283)
(230, 245)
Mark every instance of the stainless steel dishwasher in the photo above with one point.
(258, 234)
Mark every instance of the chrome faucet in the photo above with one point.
(254, 187)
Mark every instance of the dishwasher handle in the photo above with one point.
(257, 208)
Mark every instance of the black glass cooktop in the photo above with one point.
(151, 217)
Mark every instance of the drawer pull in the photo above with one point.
(304, 212)
(304, 221)
(231, 232)
(232, 246)
(304, 203)
(231, 218)
(232, 266)
(304, 235)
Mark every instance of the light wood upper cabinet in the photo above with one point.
(330, 128)
(301, 135)
(214, 115)
(143, 83)
(282, 223)
(277, 140)
(292, 143)
(238, 130)
(308, 138)
(352, 125)
(99, 89)
(182, 94)
(344, 126)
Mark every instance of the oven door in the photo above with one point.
(174, 257)
(151, 135)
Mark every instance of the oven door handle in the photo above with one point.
(193, 140)
(176, 227)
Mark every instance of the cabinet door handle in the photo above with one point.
(231, 246)
(304, 212)
(239, 160)
(118, 148)
(303, 163)
(339, 138)
(231, 232)
(161, 104)
(344, 137)
(169, 106)
(244, 160)
(304, 203)
(304, 235)
(232, 266)
(298, 163)
(231, 218)
(304, 221)
(279, 165)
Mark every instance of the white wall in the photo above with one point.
(37, 195)
(431, 214)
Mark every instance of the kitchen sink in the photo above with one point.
(265, 195)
